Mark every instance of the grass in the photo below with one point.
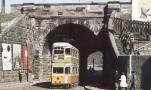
(119, 46)
(8, 17)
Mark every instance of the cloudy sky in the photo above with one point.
(9, 2)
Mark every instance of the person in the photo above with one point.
(90, 69)
(33, 76)
(116, 80)
(123, 83)
(22, 10)
(20, 76)
(132, 81)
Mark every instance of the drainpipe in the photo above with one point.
(130, 66)
(27, 58)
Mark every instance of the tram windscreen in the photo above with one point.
(58, 70)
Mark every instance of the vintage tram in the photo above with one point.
(65, 64)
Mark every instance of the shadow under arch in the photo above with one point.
(94, 68)
(80, 37)
(146, 75)
(109, 57)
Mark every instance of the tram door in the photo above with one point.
(67, 72)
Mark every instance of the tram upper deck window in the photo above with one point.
(58, 48)
(58, 70)
(68, 51)
(58, 51)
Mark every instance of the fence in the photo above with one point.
(130, 31)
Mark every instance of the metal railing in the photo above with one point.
(130, 31)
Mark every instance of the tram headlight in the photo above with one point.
(57, 78)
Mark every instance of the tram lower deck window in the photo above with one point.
(58, 70)
(67, 70)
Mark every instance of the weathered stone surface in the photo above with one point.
(33, 28)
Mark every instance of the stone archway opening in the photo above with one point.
(95, 67)
(95, 61)
(80, 37)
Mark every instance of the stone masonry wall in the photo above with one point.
(18, 33)
(45, 66)
(26, 31)
(10, 76)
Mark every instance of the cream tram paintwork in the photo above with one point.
(66, 62)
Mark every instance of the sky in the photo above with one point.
(9, 2)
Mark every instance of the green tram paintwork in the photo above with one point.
(65, 64)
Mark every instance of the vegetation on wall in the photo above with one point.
(8, 17)
(126, 16)
(119, 46)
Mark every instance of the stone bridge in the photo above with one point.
(85, 28)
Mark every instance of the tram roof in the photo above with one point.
(64, 44)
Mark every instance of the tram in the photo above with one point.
(65, 64)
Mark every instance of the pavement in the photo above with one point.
(35, 85)
(93, 88)
(15, 85)
(40, 85)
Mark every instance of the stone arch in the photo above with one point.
(77, 35)
(101, 42)
(49, 24)
(92, 23)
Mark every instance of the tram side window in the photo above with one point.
(77, 70)
(78, 54)
(73, 52)
(68, 51)
(67, 70)
(58, 70)
(74, 70)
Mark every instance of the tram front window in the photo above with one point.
(58, 70)
(58, 51)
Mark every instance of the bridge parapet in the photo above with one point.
(67, 12)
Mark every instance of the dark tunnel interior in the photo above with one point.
(80, 37)
(87, 42)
